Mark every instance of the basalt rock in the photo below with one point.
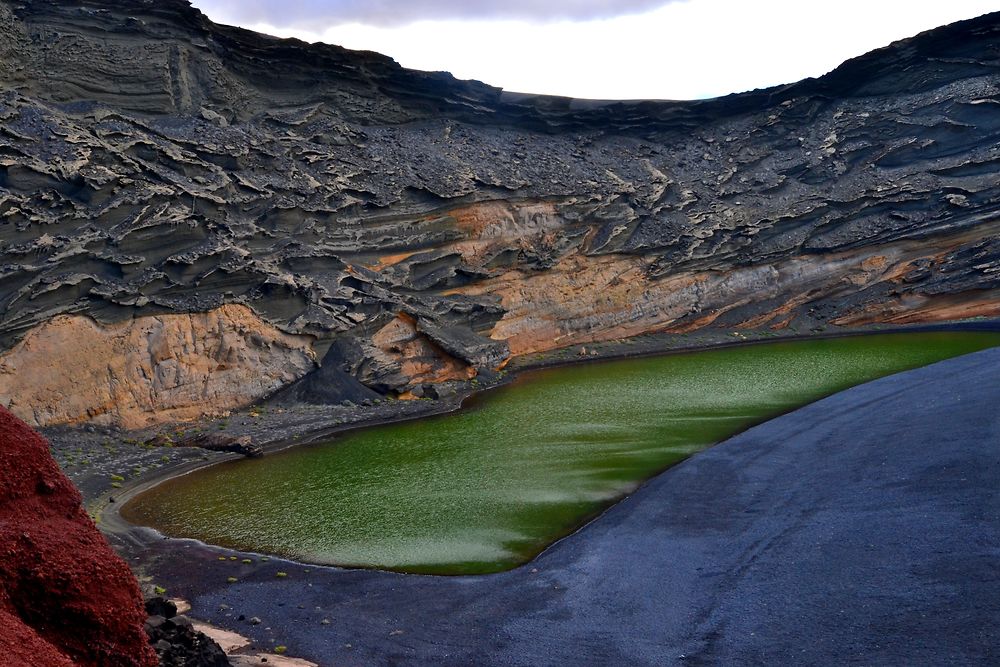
(66, 599)
(176, 641)
(153, 163)
(214, 442)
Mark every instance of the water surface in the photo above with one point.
(488, 488)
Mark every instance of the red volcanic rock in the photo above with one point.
(65, 597)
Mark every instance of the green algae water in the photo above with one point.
(488, 488)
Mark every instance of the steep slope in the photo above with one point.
(421, 228)
(164, 366)
(66, 599)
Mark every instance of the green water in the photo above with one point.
(488, 488)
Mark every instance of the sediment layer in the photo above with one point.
(145, 370)
(422, 229)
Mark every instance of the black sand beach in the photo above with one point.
(862, 529)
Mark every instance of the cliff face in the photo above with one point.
(66, 600)
(139, 372)
(153, 163)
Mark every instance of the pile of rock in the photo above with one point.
(176, 641)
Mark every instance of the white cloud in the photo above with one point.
(299, 13)
(683, 50)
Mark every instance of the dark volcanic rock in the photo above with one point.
(215, 442)
(177, 642)
(330, 384)
(160, 606)
(152, 162)
(65, 598)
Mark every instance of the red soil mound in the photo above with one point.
(65, 597)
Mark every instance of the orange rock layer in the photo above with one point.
(149, 370)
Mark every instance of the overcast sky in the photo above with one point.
(606, 49)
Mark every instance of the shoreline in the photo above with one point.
(698, 545)
(122, 532)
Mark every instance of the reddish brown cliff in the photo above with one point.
(65, 597)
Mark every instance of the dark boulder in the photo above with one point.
(215, 442)
(177, 642)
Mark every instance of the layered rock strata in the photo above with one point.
(144, 370)
(419, 228)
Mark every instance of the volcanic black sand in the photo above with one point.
(862, 529)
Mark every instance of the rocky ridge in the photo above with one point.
(406, 228)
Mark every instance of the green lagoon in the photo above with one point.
(488, 488)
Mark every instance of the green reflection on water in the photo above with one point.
(488, 488)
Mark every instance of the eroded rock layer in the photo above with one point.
(142, 371)
(422, 228)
